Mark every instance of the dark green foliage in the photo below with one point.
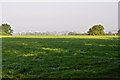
(96, 30)
(5, 29)
(59, 58)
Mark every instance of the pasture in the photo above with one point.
(60, 57)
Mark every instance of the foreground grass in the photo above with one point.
(60, 56)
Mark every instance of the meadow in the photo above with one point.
(60, 57)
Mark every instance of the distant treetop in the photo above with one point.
(96, 30)
(5, 29)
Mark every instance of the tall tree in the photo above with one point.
(5, 29)
(96, 30)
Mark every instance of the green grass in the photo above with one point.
(0, 58)
(60, 57)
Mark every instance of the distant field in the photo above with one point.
(84, 36)
(60, 56)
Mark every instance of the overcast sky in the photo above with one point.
(59, 16)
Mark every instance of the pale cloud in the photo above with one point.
(57, 16)
(0, 13)
(59, 0)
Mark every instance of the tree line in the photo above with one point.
(6, 29)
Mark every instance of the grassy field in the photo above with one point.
(60, 57)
